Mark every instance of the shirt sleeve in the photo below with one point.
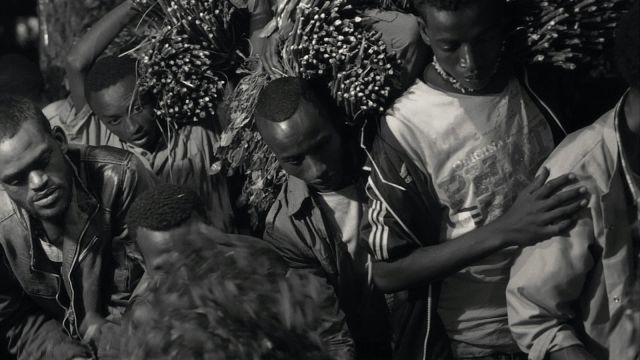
(403, 210)
(546, 280)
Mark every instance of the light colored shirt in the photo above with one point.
(186, 160)
(479, 151)
(571, 289)
(343, 211)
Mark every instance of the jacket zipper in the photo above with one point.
(429, 297)
(73, 262)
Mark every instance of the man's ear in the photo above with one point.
(60, 137)
(424, 34)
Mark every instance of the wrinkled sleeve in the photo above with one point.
(385, 235)
(136, 180)
(31, 334)
(81, 127)
(401, 201)
(546, 279)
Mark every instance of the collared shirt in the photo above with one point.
(301, 231)
(186, 160)
(571, 289)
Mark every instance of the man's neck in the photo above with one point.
(54, 229)
(496, 86)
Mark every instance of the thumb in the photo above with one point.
(540, 179)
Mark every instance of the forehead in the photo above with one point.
(301, 132)
(153, 243)
(115, 98)
(30, 140)
(468, 20)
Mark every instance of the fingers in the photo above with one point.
(564, 197)
(539, 180)
(555, 185)
(559, 227)
(564, 212)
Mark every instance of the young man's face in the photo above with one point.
(309, 147)
(467, 42)
(33, 171)
(125, 114)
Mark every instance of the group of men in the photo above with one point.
(464, 224)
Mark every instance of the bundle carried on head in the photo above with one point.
(324, 40)
(226, 297)
(330, 40)
(188, 62)
(566, 33)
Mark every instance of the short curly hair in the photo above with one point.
(15, 111)
(627, 48)
(165, 207)
(279, 100)
(108, 71)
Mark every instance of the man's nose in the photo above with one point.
(37, 179)
(468, 60)
(133, 126)
(317, 168)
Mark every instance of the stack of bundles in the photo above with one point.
(323, 40)
(225, 297)
(565, 33)
(188, 61)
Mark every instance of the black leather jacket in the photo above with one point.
(42, 308)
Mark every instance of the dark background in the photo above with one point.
(12, 13)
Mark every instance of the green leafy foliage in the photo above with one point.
(225, 297)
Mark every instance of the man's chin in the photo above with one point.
(476, 85)
(50, 214)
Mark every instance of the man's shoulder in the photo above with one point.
(100, 154)
(593, 143)
(414, 103)
(7, 209)
(57, 108)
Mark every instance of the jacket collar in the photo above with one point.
(297, 195)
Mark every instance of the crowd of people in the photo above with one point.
(470, 221)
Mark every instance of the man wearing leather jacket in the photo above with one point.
(68, 265)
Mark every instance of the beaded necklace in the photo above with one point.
(450, 79)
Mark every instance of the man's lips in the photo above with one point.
(47, 197)
(139, 138)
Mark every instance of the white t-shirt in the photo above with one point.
(480, 151)
(343, 210)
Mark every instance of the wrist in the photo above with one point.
(499, 235)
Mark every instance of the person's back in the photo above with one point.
(450, 159)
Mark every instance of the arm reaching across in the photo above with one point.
(542, 210)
